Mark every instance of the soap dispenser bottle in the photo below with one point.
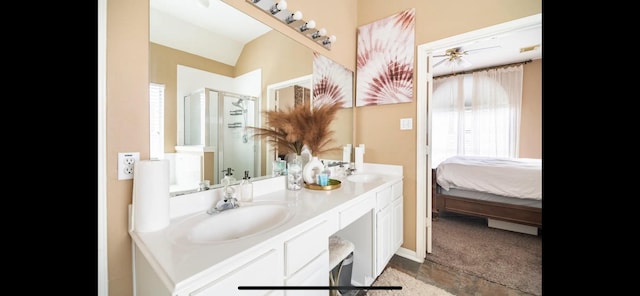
(246, 188)
(228, 177)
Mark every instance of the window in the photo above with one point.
(156, 120)
(477, 114)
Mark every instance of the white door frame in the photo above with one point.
(424, 91)
(271, 104)
(103, 272)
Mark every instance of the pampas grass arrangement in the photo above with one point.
(290, 129)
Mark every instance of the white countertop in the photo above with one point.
(180, 264)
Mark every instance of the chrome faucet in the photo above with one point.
(223, 205)
(227, 203)
(337, 163)
(350, 171)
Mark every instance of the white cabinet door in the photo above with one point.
(383, 239)
(397, 225)
(389, 223)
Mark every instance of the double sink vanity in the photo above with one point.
(279, 240)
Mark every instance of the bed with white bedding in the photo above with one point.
(505, 189)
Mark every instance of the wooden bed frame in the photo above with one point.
(487, 209)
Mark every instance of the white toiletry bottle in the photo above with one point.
(246, 188)
(327, 170)
(346, 153)
(228, 177)
(359, 158)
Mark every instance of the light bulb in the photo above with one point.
(278, 7)
(331, 39)
(308, 25)
(294, 17)
(319, 33)
(282, 4)
(311, 24)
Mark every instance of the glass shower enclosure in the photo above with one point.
(218, 120)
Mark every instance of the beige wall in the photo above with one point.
(377, 126)
(127, 124)
(531, 114)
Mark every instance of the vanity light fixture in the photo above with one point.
(329, 40)
(279, 6)
(278, 10)
(308, 25)
(296, 16)
(319, 33)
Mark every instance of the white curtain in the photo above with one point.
(477, 114)
(447, 112)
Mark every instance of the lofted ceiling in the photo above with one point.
(219, 32)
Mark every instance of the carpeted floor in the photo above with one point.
(466, 244)
(409, 285)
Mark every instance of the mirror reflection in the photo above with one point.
(214, 86)
(216, 121)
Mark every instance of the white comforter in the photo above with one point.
(516, 177)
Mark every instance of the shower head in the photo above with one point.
(239, 103)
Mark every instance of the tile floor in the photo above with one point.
(456, 283)
(459, 284)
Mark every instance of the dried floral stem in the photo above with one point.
(292, 128)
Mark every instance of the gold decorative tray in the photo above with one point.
(333, 184)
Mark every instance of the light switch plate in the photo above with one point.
(406, 123)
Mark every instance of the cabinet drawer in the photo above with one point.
(316, 273)
(383, 198)
(396, 190)
(258, 272)
(301, 249)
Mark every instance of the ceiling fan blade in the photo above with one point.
(463, 62)
(439, 63)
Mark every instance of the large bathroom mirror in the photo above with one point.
(203, 71)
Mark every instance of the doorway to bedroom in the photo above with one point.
(425, 132)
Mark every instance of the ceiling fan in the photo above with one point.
(454, 56)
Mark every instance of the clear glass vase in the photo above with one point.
(294, 174)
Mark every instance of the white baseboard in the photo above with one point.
(410, 254)
(513, 226)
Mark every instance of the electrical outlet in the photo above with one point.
(126, 163)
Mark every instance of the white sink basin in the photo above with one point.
(362, 178)
(230, 225)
